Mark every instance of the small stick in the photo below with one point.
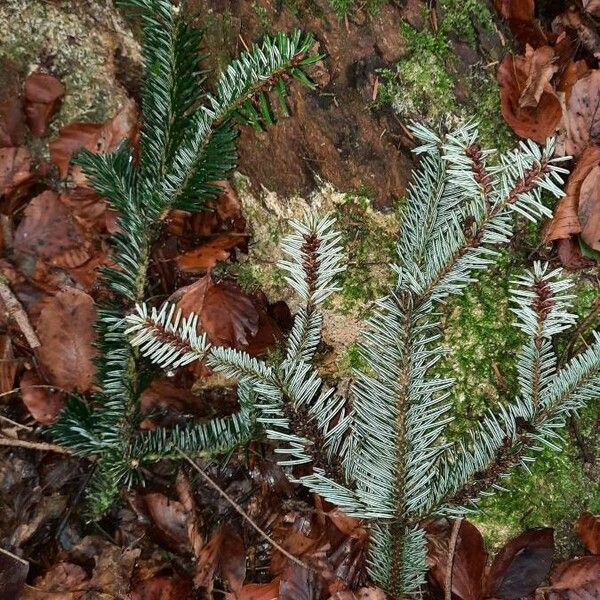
(43, 446)
(15, 311)
(241, 511)
(15, 424)
(451, 551)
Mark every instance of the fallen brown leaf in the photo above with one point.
(515, 75)
(370, 593)
(162, 588)
(577, 579)
(95, 137)
(66, 332)
(225, 556)
(257, 591)
(468, 561)
(542, 66)
(210, 253)
(589, 209)
(570, 255)
(63, 581)
(170, 519)
(49, 232)
(522, 564)
(8, 365)
(43, 403)
(15, 169)
(565, 222)
(43, 94)
(592, 7)
(588, 529)
(582, 118)
(12, 122)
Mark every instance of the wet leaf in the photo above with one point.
(516, 75)
(224, 556)
(370, 593)
(588, 529)
(589, 209)
(522, 564)
(49, 231)
(162, 588)
(257, 591)
(42, 402)
(577, 579)
(520, 17)
(66, 332)
(565, 221)
(468, 562)
(43, 94)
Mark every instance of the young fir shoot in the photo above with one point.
(382, 454)
(187, 142)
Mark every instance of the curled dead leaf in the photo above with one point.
(66, 331)
(170, 519)
(12, 122)
(43, 94)
(207, 255)
(517, 75)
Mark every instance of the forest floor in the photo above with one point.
(345, 149)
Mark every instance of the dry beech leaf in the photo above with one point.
(95, 137)
(162, 588)
(225, 556)
(522, 564)
(49, 231)
(541, 70)
(582, 118)
(565, 221)
(43, 94)
(226, 313)
(42, 402)
(66, 331)
(577, 579)
(63, 581)
(468, 562)
(170, 518)
(589, 209)
(588, 529)
(257, 591)
(210, 253)
(534, 122)
(15, 169)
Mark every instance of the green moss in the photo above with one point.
(459, 17)
(369, 240)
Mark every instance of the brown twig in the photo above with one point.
(241, 511)
(43, 446)
(16, 312)
(451, 552)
